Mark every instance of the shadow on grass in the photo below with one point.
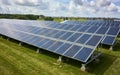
(66, 60)
(105, 62)
(117, 46)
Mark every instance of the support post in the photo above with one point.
(59, 59)
(97, 60)
(7, 39)
(20, 44)
(37, 50)
(67, 59)
(83, 67)
(0, 36)
(111, 48)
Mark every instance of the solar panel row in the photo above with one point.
(64, 33)
(73, 41)
(60, 47)
(108, 29)
(104, 23)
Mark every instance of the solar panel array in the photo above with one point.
(108, 29)
(74, 41)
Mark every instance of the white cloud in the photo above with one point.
(92, 3)
(28, 2)
(112, 7)
(103, 3)
(83, 8)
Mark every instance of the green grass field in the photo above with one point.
(23, 60)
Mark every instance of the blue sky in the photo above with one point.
(67, 8)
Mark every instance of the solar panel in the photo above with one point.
(98, 27)
(113, 31)
(93, 29)
(72, 51)
(83, 54)
(60, 33)
(76, 27)
(74, 37)
(63, 48)
(83, 39)
(75, 41)
(94, 40)
(66, 35)
(68, 27)
(109, 40)
(83, 29)
(102, 30)
(55, 46)
(49, 43)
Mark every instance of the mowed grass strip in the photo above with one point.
(19, 60)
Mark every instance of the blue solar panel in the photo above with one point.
(54, 33)
(93, 29)
(55, 46)
(76, 27)
(68, 27)
(60, 33)
(61, 26)
(37, 31)
(40, 31)
(72, 51)
(113, 31)
(44, 32)
(50, 32)
(66, 35)
(42, 42)
(109, 40)
(94, 40)
(74, 37)
(83, 39)
(83, 29)
(36, 40)
(53, 26)
(102, 30)
(48, 44)
(84, 54)
(63, 48)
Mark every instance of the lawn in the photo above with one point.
(23, 60)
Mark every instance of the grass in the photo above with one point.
(23, 60)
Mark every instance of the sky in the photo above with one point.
(67, 8)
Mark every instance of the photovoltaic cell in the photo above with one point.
(72, 51)
(76, 27)
(66, 35)
(83, 39)
(83, 29)
(49, 43)
(68, 27)
(36, 40)
(93, 29)
(74, 37)
(102, 30)
(42, 42)
(83, 54)
(63, 48)
(94, 40)
(55, 46)
(60, 33)
(109, 40)
(113, 31)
